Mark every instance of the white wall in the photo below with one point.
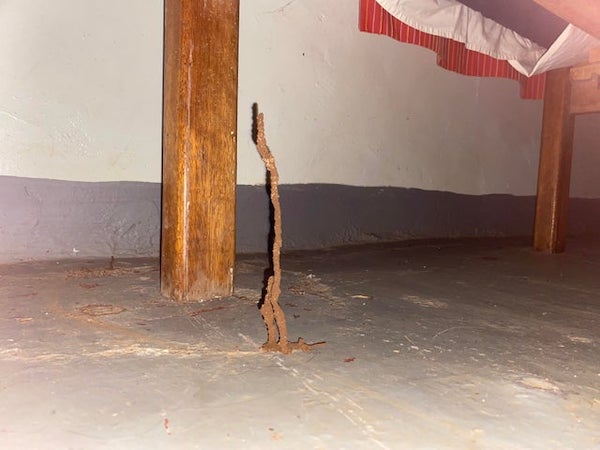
(80, 99)
(585, 181)
(352, 108)
(80, 89)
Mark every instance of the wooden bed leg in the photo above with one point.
(550, 228)
(199, 148)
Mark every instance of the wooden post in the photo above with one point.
(550, 228)
(199, 148)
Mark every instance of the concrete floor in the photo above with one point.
(479, 344)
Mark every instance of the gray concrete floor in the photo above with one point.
(480, 344)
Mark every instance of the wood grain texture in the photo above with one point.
(585, 85)
(585, 96)
(199, 148)
(550, 228)
(584, 14)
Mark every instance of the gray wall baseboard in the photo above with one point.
(49, 219)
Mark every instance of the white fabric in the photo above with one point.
(570, 48)
(452, 19)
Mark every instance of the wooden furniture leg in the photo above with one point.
(199, 148)
(550, 228)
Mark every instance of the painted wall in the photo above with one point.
(373, 140)
(80, 99)
(80, 89)
(351, 108)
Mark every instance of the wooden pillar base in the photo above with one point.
(199, 148)
(550, 228)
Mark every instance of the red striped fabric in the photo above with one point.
(452, 55)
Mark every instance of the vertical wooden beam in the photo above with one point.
(199, 148)
(550, 228)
